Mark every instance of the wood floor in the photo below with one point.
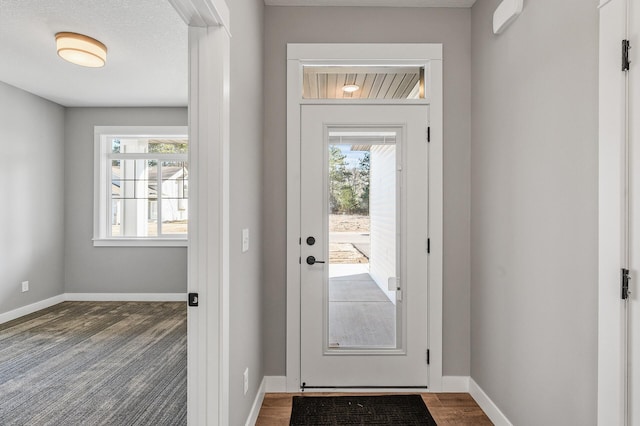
(446, 408)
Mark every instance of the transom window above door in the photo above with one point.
(141, 186)
(363, 82)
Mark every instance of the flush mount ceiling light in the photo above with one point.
(350, 88)
(81, 50)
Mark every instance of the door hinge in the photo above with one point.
(428, 357)
(626, 46)
(624, 278)
(193, 299)
(428, 133)
(428, 245)
(299, 241)
(299, 260)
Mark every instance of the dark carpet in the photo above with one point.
(95, 363)
(405, 410)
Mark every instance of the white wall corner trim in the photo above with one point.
(488, 406)
(505, 14)
(455, 384)
(257, 403)
(208, 253)
(31, 308)
(203, 13)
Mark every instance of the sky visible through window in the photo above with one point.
(352, 158)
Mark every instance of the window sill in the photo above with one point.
(140, 242)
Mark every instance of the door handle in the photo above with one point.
(312, 260)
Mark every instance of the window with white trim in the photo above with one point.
(141, 186)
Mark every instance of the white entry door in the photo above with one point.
(364, 246)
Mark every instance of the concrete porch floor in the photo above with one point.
(360, 314)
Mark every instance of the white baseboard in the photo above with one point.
(29, 309)
(91, 297)
(257, 404)
(275, 384)
(455, 384)
(278, 384)
(126, 297)
(488, 406)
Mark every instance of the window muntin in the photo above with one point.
(142, 185)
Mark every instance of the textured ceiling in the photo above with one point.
(147, 59)
(383, 3)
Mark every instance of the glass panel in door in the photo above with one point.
(362, 167)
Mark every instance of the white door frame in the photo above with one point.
(208, 259)
(428, 55)
(612, 252)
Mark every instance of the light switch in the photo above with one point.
(245, 240)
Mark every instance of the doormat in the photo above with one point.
(405, 410)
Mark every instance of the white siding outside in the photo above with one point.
(174, 207)
(382, 210)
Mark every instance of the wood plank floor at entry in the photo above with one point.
(446, 408)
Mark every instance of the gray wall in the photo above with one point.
(32, 182)
(371, 25)
(534, 211)
(246, 341)
(90, 269)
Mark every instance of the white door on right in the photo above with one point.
(633, 332)
(619, 216)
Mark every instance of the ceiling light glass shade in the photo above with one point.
(350, 88)
(81, 50)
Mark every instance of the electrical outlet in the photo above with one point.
(25, 286)
(245, 377)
